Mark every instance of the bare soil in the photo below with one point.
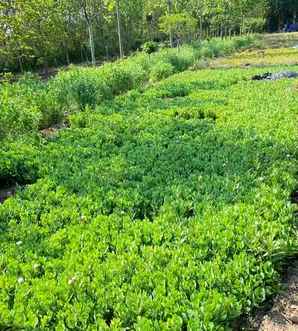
(284, 313)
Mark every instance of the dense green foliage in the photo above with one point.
(42, 33)
(26, 106)
(29, 104)
(165, 208)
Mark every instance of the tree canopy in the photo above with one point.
(40, 33)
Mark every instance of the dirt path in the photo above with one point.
(284, 314)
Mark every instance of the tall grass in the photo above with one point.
(30, 104)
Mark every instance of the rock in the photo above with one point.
(283, 74)
(276, 76)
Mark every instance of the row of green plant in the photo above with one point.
(26, 106)
(163, 209)
(83, 87)
(30, 104)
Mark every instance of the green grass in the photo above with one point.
(163, 209)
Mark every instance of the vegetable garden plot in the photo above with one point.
(145, 220)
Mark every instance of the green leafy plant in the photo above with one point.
(164, 208)
(150, 47)
(160, 71)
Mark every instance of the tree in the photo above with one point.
(36, 33)
(170, 10)
(281, 12)
(181, 25)
(33, 31)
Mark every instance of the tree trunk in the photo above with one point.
(242, 25)
(170, 5)
(201, 27)
(82, 54)
(88, 18)
(67, 55)
(21, 64)
(119, 29)
(46, 69)
(91, 44)
(107, 52)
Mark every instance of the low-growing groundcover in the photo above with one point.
(163, 209)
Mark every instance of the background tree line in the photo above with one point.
(43, 33)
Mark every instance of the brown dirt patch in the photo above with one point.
(284, 313)
(53, 130)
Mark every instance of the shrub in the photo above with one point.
(76, 88)
(150, 47)
(51, 112)
(18, 162)
(16, 116)
(117, 78)
(160, 71)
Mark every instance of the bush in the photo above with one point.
(160, 71)
(27, 105)
(150, 47)
(76, 88)
(181, 58)
(16, 116)
(18, 162)
(51, 112)
(117, 78)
